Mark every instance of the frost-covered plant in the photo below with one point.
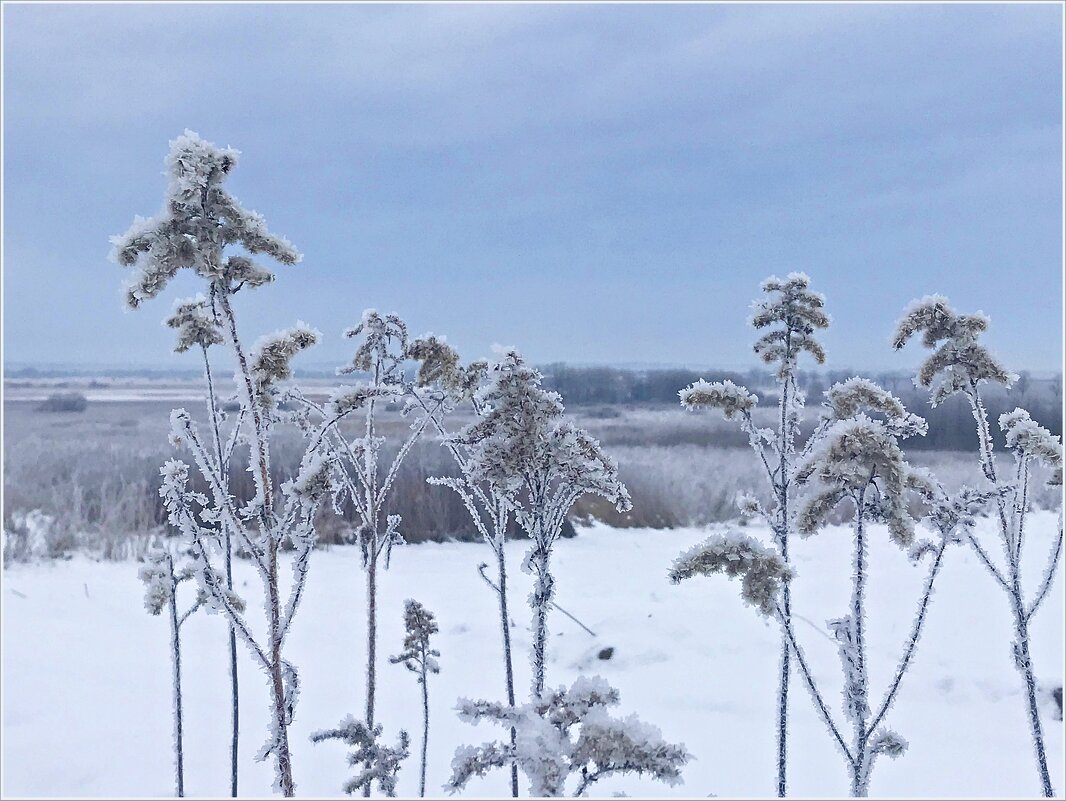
(442, 378)
(960, 364)
(365, 479)
(161, 580)
(858, 461)
(790, 314)
(855, 459)
(199, 222)
(418, 657)
(377, 762)
(527, 453)
(567, 732)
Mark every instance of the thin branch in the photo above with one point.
(190, 611)
(912, 641)
(481, 571)
(299, 568)
(233, 440)
(811, 686)
(214, 586)
(755, 441)
(988, 562)
(221, 496)
(1049, 574)
(390, 477)
(1019, 534)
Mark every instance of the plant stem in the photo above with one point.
(227, 546)
(425, 727)
(501, 564)
(175, 650)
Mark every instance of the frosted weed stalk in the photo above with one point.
(161, 578)
(364, 479)
(960, 364)
(421, 659)
(852, 457)
(441, 376)
(539, 464)
(791, 313)
(199, 222)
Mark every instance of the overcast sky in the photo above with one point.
(589, 184)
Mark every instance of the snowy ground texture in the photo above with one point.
(87, 684)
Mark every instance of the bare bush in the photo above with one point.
(64, 402)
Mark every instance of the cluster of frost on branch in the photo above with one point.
(567, 733)
(379, 763)
(272, 356)
(417, 655)
(195, 324)
(198, 220)
(762, 570)
(961, 363)
(798, 312)
(724, 395)
(860, 460)
(1032, 441)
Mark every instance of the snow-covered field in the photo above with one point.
(86, 695)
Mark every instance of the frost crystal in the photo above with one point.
(724, 395)
(158, 581)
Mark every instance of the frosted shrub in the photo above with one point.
(198, 225)
(790, 314)
(64, 402)
(960, 364)
(521, 457)
(567, 733)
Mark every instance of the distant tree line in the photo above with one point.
(950, 425)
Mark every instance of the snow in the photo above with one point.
(87, 680)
